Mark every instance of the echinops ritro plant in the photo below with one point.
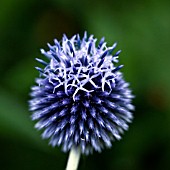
(81, 98)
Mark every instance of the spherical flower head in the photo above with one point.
(81, 98)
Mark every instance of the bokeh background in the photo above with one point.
(142, 30)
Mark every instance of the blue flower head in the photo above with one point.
(81, 98)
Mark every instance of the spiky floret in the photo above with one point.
(81, 98)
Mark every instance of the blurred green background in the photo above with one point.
(142, 30)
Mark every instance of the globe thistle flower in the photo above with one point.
(81, 99)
